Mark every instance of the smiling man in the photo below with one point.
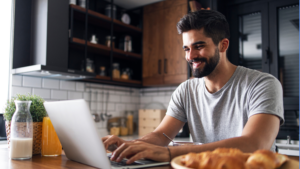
(225, 105)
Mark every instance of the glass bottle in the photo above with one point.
(21, 132)
(116, 71)
(115, 129)
(123, 127)
(51, 145)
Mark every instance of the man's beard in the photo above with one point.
(208, 67)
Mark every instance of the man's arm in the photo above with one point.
(259, 133)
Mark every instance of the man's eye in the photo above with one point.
(200, 46)
(186, 49)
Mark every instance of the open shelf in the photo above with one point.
(103, 21)
(102, 49)
(103, 77)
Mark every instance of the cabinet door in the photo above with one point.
(175, 65)
(153, 48)
(249, 43)
(284, 44)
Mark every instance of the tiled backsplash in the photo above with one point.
(120, 99)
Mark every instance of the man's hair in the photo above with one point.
(214, 23)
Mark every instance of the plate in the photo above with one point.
(177, 164)
(290, 164)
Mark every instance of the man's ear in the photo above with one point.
(224, 44)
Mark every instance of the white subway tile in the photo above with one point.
(135, 99)
(120, 107)
(166, 105)
(57, 94)
(93, 106)
(32, 81)
(16, 80)
(111, 106)
(43, 93)
(67, 85)
(130, 107)
(142, 106)
(101, 106)
(50, 83)
(80, 86)
(20, 90)
(160, 99)
(145, 99)
(75, 95)
(94, 96)
(114, 98)
(167, 99)
(125, 99)
(86, 96)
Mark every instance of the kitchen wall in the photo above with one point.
(120, 99)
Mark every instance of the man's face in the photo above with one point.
(201, 53)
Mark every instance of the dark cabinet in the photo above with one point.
(265, 37)
(163, 58)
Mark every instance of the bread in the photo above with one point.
(230, 158)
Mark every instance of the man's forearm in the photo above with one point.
(245, 144)
(154, 138)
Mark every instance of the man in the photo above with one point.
(225, 105)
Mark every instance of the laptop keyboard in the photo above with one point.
(122, 163)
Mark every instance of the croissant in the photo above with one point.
(231, 158)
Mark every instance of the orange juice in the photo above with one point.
(50, 143)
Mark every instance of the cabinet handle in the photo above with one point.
(165, 66)
(159, 66)
(267, 55)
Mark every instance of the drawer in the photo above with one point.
(152, 113)
(147, 122)
(145, 130)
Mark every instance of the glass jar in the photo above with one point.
(108, 11)
(124, 75)
(115, 129)
(90, 66)
(123, 127)
(102, 71)
(21, 132)
(129, 122)
(116, 71)
(51, 145)
(110, 41)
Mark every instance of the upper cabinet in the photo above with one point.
(163, 58)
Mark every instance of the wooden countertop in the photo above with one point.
(39, 162)
(62, 162)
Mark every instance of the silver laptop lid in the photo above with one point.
(77, 132)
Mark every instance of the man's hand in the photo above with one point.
(111, 142)
(137, 150)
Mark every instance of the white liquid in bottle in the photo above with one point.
(20, 148)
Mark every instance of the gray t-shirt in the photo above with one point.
(221, 115)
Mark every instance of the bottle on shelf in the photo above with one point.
(116, 71)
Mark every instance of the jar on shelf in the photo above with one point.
(124, 75)
(123, 127)
(110, 41)
(82, 3)
(21, 132)
(108, 11)
(116, 71)
(90, 66)
(102, 71)
(115, 129)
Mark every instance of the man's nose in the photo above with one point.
(192, 54)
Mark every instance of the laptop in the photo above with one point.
(80, 140)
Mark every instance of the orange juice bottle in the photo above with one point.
(50, 143)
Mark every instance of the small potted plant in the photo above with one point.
(37, 111)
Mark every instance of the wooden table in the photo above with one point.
(62, 162)
(39, 162)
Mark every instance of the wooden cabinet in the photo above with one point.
(163, 58)
(149, 119)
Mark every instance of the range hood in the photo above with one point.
(51, 72)
(41, 41)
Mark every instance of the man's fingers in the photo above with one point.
(137, 156)
(118, 151)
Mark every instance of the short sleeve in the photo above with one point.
(176, 106)
(266, 96)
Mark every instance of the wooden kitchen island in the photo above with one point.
(62, 162)
(39, 162)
